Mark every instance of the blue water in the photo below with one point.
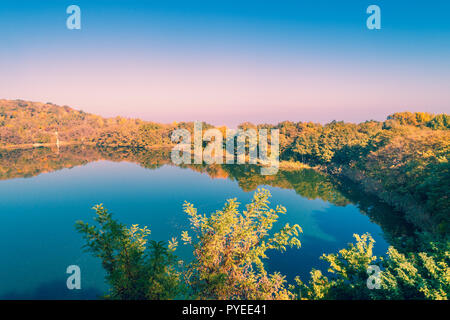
(38, 240)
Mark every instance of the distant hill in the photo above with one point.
(30, 123)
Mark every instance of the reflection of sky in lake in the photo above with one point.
(38, 240)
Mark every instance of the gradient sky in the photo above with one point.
(230, 61)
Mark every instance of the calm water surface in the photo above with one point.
(38, 240)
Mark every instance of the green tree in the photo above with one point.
(229, 248)
(411, 275)
(136, 269)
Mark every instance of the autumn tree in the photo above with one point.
(230, 247)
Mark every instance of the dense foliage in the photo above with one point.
(229, 248)
(414, 275)
(403, 160)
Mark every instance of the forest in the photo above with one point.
(403, 161)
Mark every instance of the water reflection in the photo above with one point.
(38, 240)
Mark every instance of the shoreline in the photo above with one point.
(64, 144)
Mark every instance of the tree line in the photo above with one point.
(403, 160)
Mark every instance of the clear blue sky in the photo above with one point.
(229, 61)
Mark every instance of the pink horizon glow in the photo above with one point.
(227, 91)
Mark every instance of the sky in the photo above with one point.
(227, 62)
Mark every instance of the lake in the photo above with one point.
(43, 192)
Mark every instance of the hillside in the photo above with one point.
(25, 123)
